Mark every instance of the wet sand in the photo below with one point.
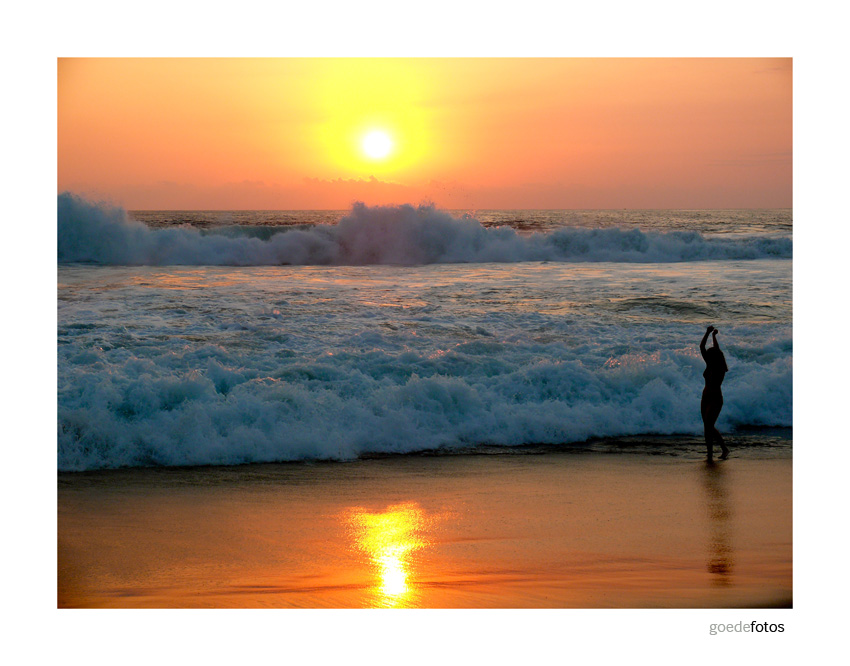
(518, 530)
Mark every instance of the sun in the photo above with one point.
(377, 144)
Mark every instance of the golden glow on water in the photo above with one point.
(389, 539)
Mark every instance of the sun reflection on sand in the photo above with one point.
(389, 539)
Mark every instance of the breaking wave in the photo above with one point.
(400, 235)
(206, 409)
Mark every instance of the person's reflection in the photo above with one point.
(720, 553)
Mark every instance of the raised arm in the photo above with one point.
(720, 353)
(704, 340)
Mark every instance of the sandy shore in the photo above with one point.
(585, 530)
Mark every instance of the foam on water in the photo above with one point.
(399, 235)
(215, 365)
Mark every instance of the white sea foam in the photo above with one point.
(156, 412)
(398, 235)
(211, 365)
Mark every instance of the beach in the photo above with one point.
(625, 525)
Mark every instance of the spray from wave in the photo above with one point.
(401, 235)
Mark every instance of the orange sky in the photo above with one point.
(465, 133)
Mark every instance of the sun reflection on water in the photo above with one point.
(390, 538)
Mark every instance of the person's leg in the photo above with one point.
(709, 437)
(723, 447)
(710, 408)
(708, 424)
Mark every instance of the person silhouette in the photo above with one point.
(712, 398)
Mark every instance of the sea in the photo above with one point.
(191, 338)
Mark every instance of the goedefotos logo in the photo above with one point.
(742, 627)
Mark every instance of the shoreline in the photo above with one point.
(775, 440)
(565, 529)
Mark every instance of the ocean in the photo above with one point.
(223, 338)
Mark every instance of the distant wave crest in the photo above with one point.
(403, 235)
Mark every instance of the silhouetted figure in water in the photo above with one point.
(712, 398)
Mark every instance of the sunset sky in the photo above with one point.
(463, 133)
